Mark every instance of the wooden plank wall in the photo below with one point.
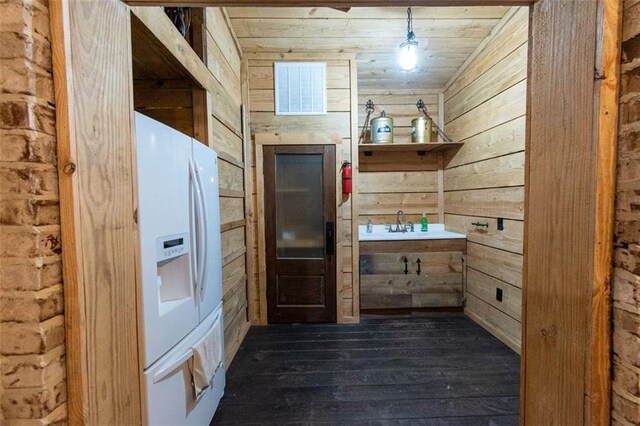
(223, 58)
(393, 181)
(338, 120)
(484, 107)
(400, 104)
(169, 102)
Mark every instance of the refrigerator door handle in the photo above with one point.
(205, 219)
(198, 238)
(160, 375)
(178, 361)
(193, 225)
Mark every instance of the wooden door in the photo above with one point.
(300, 217)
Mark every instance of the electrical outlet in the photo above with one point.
(499, 294)
(500, 224)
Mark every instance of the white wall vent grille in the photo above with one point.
(301, 88)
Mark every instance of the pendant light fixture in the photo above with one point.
(408, 57)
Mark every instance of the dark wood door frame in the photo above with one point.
(262, 140)
(586, 210)
(327, 266)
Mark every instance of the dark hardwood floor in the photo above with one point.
(435, 370)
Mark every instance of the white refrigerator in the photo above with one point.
(181, 271)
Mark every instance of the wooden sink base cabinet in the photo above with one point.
(412, 274)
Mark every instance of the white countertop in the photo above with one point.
(381, 233)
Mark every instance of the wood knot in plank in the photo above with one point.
(69, 168)
(550, 332)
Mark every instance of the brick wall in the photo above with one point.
(626, 273)
(32, 363)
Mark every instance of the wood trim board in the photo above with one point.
(340, 282)
(297, 138)
(262, 244)
(606, 109)
(413, 246)
(355, 199)
(77, 382)
(249, 208)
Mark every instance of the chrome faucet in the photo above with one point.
(400, 225)
(400, 218)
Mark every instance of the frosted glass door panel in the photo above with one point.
(299, 206)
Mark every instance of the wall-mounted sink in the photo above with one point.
(381, 233)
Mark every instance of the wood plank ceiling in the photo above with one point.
(446, 37)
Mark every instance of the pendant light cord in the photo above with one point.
(410, 34)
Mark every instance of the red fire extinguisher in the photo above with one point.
(346, 177)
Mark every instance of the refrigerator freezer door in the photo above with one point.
(210, 289)
(168, 304)
(170, 398)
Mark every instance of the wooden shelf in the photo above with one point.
(419, 148)
(159, 50)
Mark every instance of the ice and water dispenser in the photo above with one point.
(174, 281)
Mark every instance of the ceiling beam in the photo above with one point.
(335, 4)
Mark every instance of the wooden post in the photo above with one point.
(569, 211)
(99, 235)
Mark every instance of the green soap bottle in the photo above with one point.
(425, 223)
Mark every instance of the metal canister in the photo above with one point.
(420, 130)
(382, 129)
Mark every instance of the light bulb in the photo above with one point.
(408, 55)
